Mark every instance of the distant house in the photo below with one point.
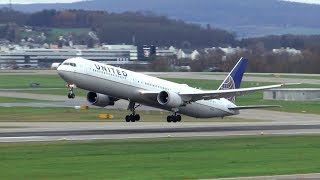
(228, 50)
(187, 54)
(171, 51)
(287, 50)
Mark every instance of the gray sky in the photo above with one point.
(36, 1)
(69, 1)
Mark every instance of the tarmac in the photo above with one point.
(75, 131)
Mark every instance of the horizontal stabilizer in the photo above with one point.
(253, 107)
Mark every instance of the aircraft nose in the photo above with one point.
(60, 70)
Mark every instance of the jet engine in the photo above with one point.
(100, 100)
(170, 99)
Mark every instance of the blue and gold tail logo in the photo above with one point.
(229, 84)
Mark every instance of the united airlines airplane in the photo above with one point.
(107, 84)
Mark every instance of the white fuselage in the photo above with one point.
(125, 84)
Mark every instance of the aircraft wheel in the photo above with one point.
(132, 118)
(71, 95)
(169, 119)
(178, 118)
(127, 118)
(174, 119)
(137, 117)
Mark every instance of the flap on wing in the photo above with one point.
(216, 94)
(253, 107)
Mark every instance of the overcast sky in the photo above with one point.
(69, 1)
(36, 1)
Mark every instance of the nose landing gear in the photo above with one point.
(71, 94)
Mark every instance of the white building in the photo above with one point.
(228, 50)
(171, 51)
(45, 57)
(187, 54)
(287, 50)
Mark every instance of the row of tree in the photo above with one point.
(148, 28)
(126, 27)
(308, 61)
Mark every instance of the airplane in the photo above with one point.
(107, 84)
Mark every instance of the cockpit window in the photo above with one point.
(70, 64)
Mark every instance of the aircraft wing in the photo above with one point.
(216, 94)
(253, 107)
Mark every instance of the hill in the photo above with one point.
(111, 28)
(246, 17)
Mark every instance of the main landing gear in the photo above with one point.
(132, 117)
(174, 118)
(71, 94)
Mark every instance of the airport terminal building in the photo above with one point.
(44, 58)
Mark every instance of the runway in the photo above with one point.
(26, 132)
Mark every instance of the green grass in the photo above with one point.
(311, 107)
(65, 91)
(54, 81)
(19, 100)
(34, 114)
(275, 75)
(192, 158)
(23, 81)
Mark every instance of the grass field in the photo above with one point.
(191, 158)
(19, 100)
(23, 81)
(62, 91)
(284, 76)
(54, 81)
(33, 114)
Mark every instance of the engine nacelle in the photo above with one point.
(100, 100)
(170, 99)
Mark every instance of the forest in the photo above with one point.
(114, 28)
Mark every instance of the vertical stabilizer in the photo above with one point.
(234, 78)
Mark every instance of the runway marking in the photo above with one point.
(164, 130)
